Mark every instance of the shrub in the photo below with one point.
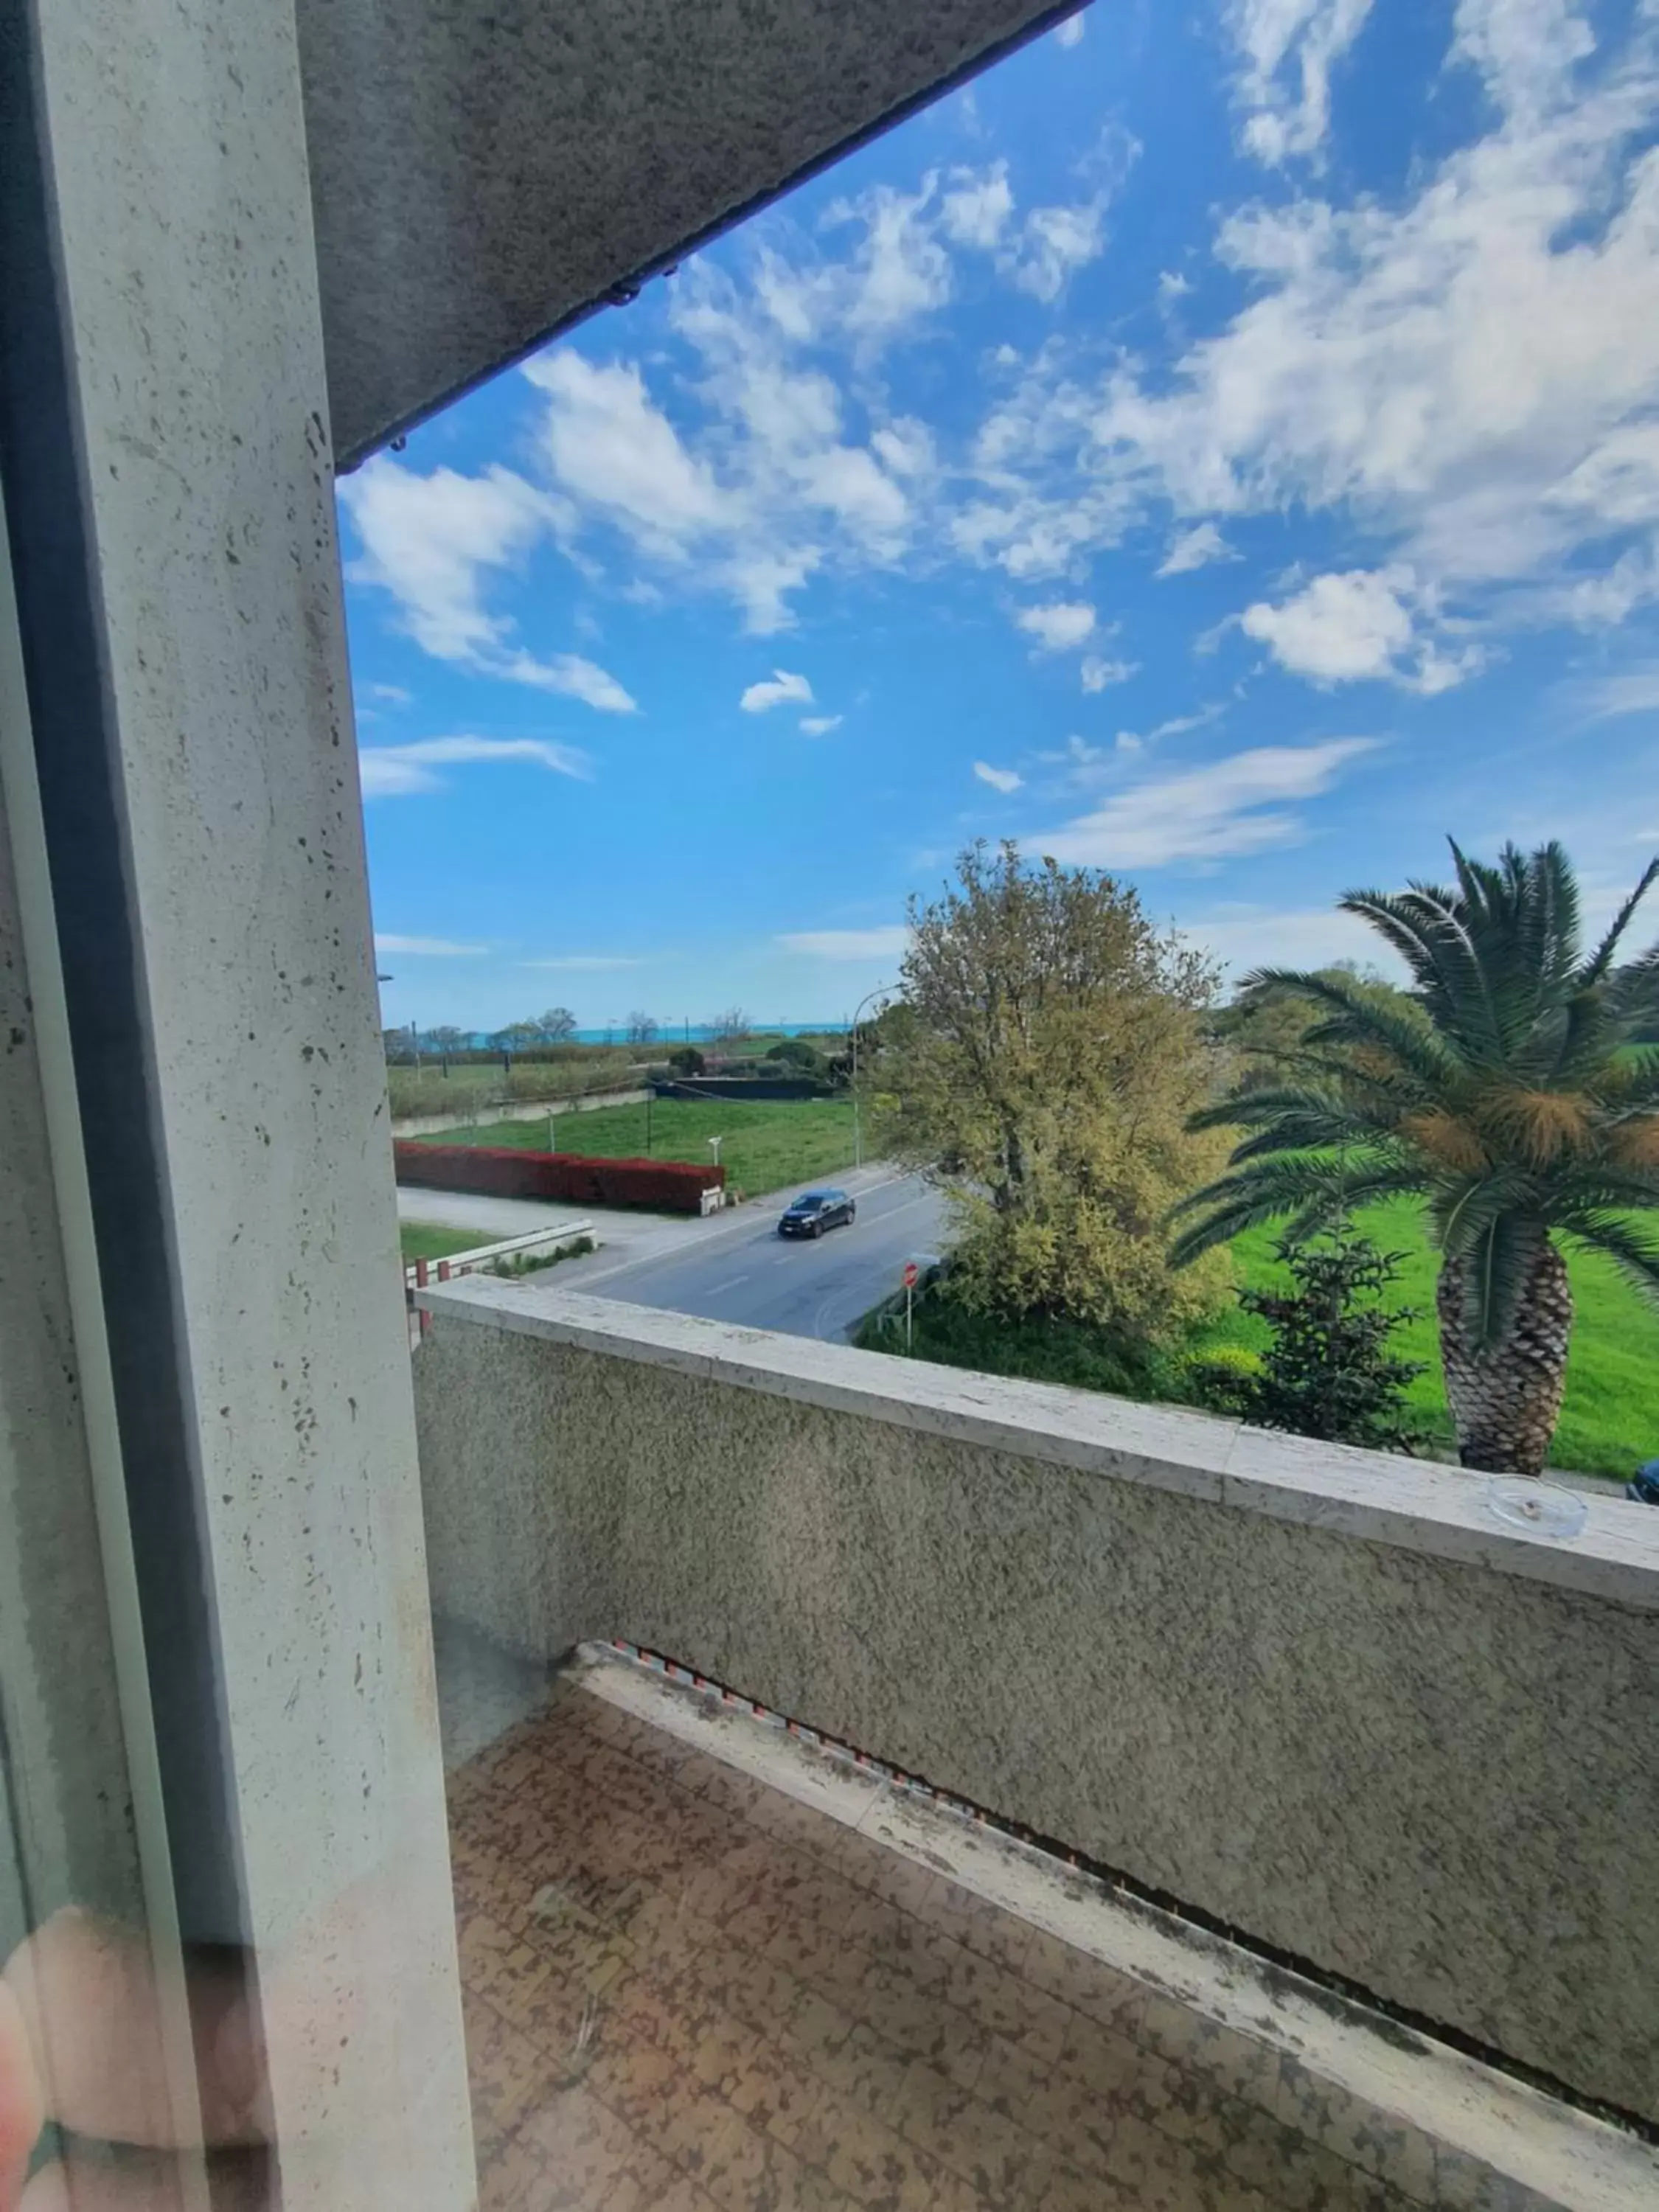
(512, 1265)
(506, 1171)
(1328, 1371)
(688, 1060)
(796, 1053)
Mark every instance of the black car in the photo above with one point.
(815, 1211)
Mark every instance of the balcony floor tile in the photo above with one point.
(686, 1992)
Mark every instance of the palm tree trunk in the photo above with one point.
(1505, 1399)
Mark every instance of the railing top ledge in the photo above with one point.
(1413, 1505)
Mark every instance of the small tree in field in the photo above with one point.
(731, 1025)
(1328, 1372)
(686, 1060)
(557, 1025)
(1049, 1059)
(642, 1030)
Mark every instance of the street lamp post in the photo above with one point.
(858, 1127)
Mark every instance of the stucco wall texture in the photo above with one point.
(483, 176)
(1437, 1780)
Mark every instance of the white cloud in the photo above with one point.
(780, 689)
(758, 482)
(427, 948)
(761, 583)
(429, 542)
(1098, 673)
(1288, 49)
(614, 450)
(1196, 549)
(1464, 372)
(1070, 33)
(1243, 938)
(904, 446)
(848, 944)
(1177, 725)
(1230, 806)
(390, 695)
(901, 271)
(394, 771)
(1605, 698)
(1052, 243)
(975, 207)
(1000, 779)
(1361, 622)
(574, 677)
(1060, 627)
(583, 963)
(819, 725)
(432, 541)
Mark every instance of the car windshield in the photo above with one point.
(808, 1204)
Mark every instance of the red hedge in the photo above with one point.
(505, 1171)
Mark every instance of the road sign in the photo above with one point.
(912, 1275)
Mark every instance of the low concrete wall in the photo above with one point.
(1323, 1695)
(521, 1109)
(726, 1088)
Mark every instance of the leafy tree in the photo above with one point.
(642, 1030)
(731, 1025)
(519, 1036)
(1263, 1031)
(686, 1060)
(1047, 1061)
(1510, 1096)
(447, 1039)
(1328, 1372)
(798, 1053)
(556, 1026)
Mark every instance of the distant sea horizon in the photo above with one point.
(668, 1034)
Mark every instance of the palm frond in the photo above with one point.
(1330, 1114)
(1496, 1267)
(1601, 961)
(1633, 1248)
(1630, 1084)
(1316, 1190)
(1459, 999)
(1588, 1030)
(1398, 930)
(1633, 992)
(1358, 1020)
(1462, 1210)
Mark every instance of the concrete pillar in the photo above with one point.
(169, 497)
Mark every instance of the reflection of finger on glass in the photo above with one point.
(85, 1992)
(148, 2183)
(20, 2100)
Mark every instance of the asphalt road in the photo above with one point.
(750, 1275)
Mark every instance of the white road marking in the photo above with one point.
(731, 1284)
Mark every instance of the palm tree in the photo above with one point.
(1506, 1090)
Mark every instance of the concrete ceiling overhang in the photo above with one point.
(485, 173)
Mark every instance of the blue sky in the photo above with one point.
(1221, 447)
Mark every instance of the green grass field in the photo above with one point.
(767, 1145)
(1609, 1420)
(425, 1240)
